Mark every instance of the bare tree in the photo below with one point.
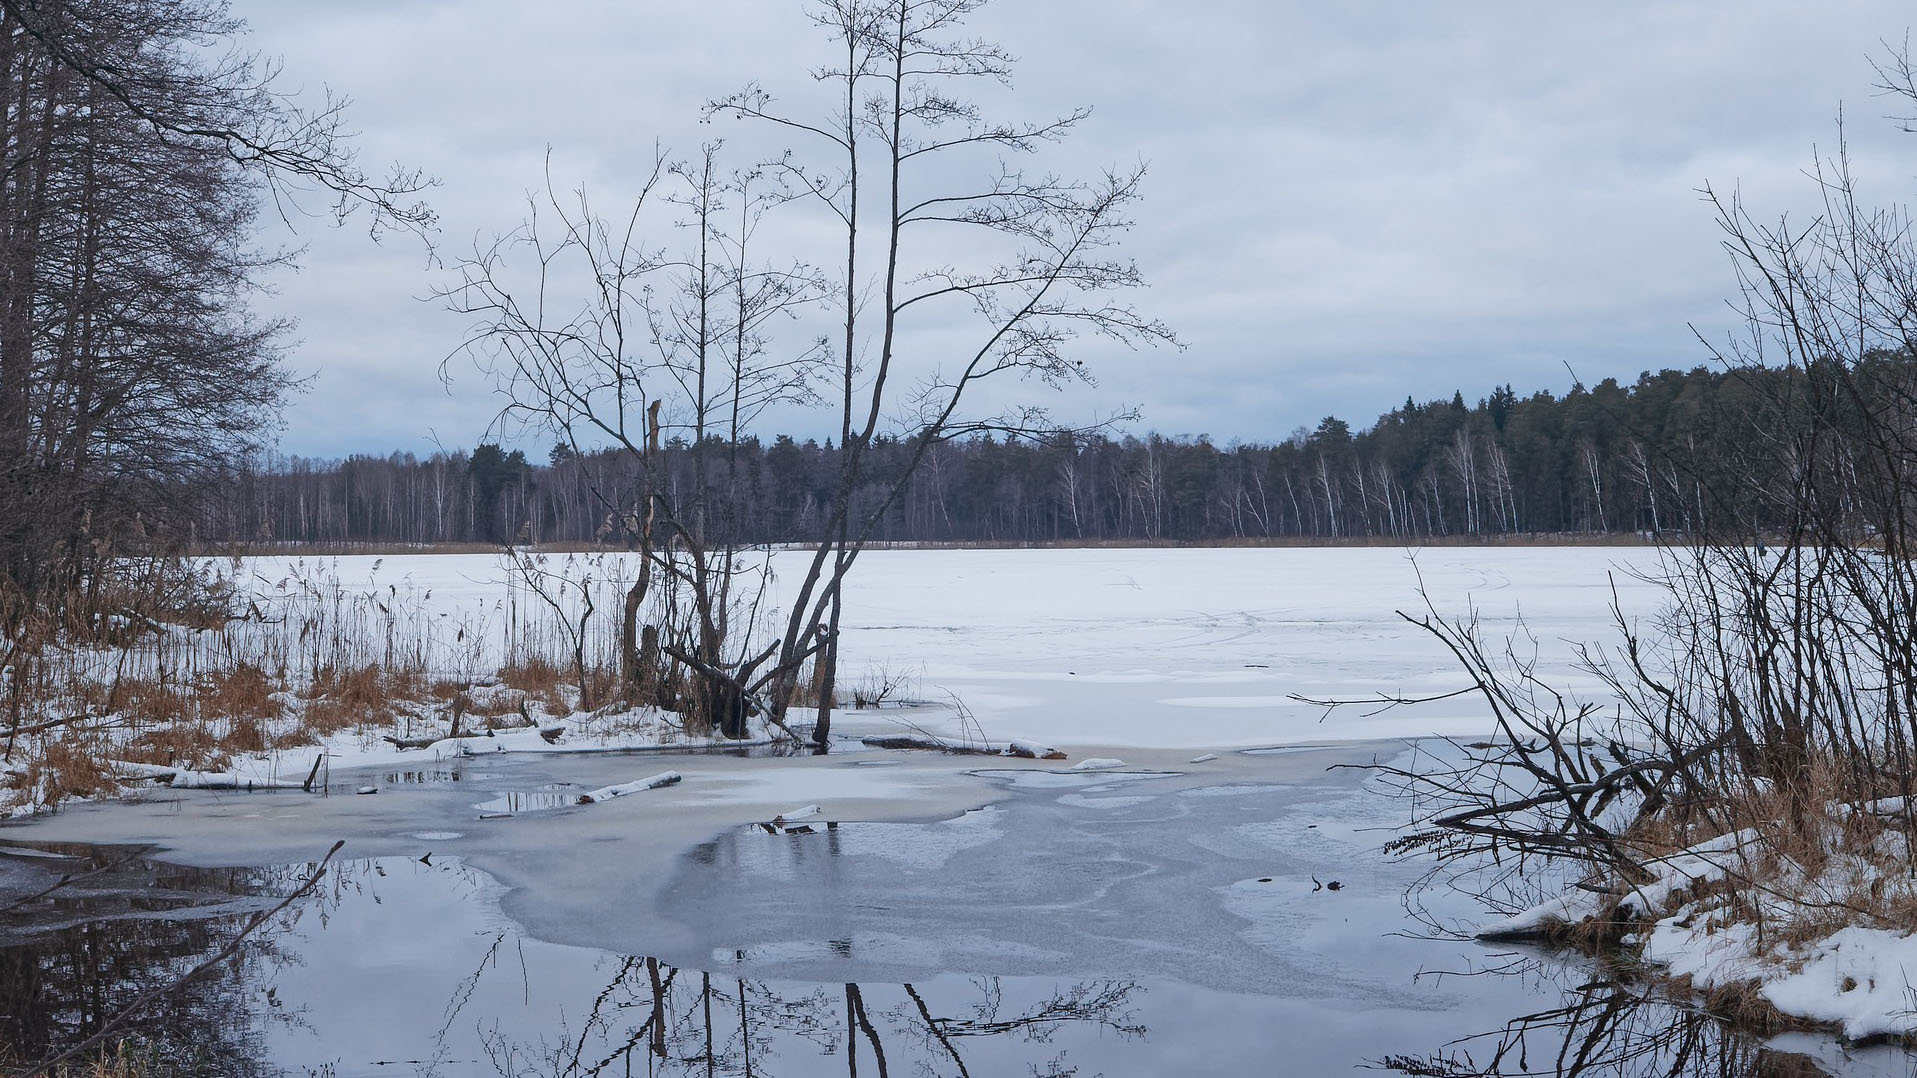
(902, 167)
(595, 337)
(1777, 690)
(134, 159)
(134, 54)
(586, 343)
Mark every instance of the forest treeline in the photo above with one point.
(1647, 457)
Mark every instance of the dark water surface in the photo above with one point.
(1104, 923)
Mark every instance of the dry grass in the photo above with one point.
(147, 702)
(494, 703)
(61, 769)
(1774, 1063)
(602, 685)
(1744, 1006)
(551, 683)
(533, 676)
(245, 734)
(181, 744)
(122, 1060)
(273, 665)
(220, 713)
(1814, 864)
(357, 698)
(243, 692)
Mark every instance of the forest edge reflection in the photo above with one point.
(81, 952)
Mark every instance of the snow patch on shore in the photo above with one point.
(1816, 958)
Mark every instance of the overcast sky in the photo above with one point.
(1347, 203)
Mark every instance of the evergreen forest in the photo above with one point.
(1657, 457)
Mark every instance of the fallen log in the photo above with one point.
(128, 769)
(607, 793)
(51, 724)
(1030, 751)
(931, 744)
(184, 779)
(418, 742)
(550, 733)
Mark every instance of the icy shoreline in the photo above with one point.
(1724, 920)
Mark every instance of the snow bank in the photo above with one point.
(1032, 750)
(805, 813)
(1857, 977)
(226, 780)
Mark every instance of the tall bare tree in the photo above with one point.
(935, 221)
(596, 337)
(134, 157)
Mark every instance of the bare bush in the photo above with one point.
(1776, 693)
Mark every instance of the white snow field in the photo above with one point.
(1149, 648)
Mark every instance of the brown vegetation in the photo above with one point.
(357, 698)
(62, 769)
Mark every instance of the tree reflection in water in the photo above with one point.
(70, 960)
(73, 955)
(660, 1020)
(1612, 1025)
(395, 967)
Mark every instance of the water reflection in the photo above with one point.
(399, 967)
(1618, 1024)
(74, 954)
(556, 795)
(657, 1019)
(336, 986)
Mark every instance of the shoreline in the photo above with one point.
(576, 875)
(596, 876)
(1463, 542)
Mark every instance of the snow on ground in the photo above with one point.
(1121, 649)
(1150, 648)
(1858, 977)
(581, 732)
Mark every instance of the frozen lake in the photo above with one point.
(1114, 924)
(1159, 647)
(949, 916)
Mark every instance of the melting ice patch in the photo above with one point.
(922, 847)
(1032, 778)
(1233, 789)
(1082, 801)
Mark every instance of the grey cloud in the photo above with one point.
(1347, 202)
